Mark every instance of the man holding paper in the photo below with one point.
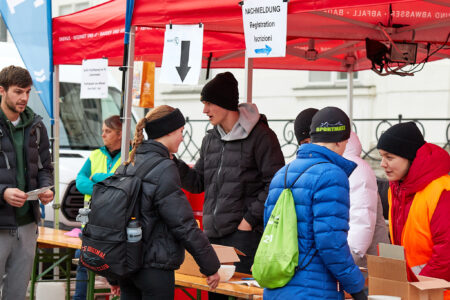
(25, 165)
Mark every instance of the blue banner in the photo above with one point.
(30, 25)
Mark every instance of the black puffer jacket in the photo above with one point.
(36, 176)
(235, 176)
(167, 219)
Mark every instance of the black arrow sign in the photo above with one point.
(183, 69)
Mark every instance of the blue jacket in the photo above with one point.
(84, 182)
(321, 197)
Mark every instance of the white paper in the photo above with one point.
(265, 23)
(33, 195)
(182, 67)
(94, 81)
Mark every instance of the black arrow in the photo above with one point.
(183, 69)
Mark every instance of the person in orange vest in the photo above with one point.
(419, 198)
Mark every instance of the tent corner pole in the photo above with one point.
(350, 96)
(56, 201)
(249, 78)
(126, 125)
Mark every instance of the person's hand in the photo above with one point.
(244, 226)
(15, 197)
(46, 197)
(115, 290)
(213, 281)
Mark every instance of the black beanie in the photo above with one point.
(302, 123)
(403, 139)
(223, 91)
(330, 125)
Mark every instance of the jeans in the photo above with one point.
(81, 283)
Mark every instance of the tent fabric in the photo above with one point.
(333, 31)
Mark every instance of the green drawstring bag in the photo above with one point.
(276, 258)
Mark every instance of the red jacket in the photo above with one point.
(431, 162)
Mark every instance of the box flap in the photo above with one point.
(387, 268)
(226, 254)
(429, 283)
(391, 251)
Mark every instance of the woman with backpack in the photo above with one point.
(168, 224)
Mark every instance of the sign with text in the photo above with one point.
(265, 23)
(94, 81)
(182, 56)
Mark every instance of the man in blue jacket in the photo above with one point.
(321, 197)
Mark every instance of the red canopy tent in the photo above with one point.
(333, 34)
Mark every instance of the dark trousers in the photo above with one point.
(246, 242)
(148, 284)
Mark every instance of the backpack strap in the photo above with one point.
(300, 265)
(142, 169)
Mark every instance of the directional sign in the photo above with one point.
(265, 27)
(182, 56)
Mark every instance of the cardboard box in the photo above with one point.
(226, 255)
(388, 276)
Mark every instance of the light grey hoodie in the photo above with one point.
(248, 117)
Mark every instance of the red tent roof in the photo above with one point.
(337, 34)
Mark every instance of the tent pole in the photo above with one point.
(56, 201)
(249, 78)
(126, 125)
(350, 96)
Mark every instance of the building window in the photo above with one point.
(65, 9)
(71, 8)
(343, 75)
(319, 77)
(81, 6)
(325, 77)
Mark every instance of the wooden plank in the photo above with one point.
(49, 237)
(225, 288)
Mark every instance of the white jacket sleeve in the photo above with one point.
(363, 209)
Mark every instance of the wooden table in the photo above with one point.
(55, 238)
(226, 288)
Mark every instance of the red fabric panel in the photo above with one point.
(98, 31)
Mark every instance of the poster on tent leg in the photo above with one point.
(182, 55)
(265, 25)
(94, 81)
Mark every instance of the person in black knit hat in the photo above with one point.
(319, 180)
(419, 198)
(238, 159)
(302, 125)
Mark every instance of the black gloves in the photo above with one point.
(359, 296)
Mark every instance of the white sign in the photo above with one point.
(182, 56)
(94, 81)
(265, 23)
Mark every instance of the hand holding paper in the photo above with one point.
(44, 194)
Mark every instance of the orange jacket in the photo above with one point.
(416, 236)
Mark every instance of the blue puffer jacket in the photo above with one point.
(322, 203)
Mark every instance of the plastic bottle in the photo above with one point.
(134, 231)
